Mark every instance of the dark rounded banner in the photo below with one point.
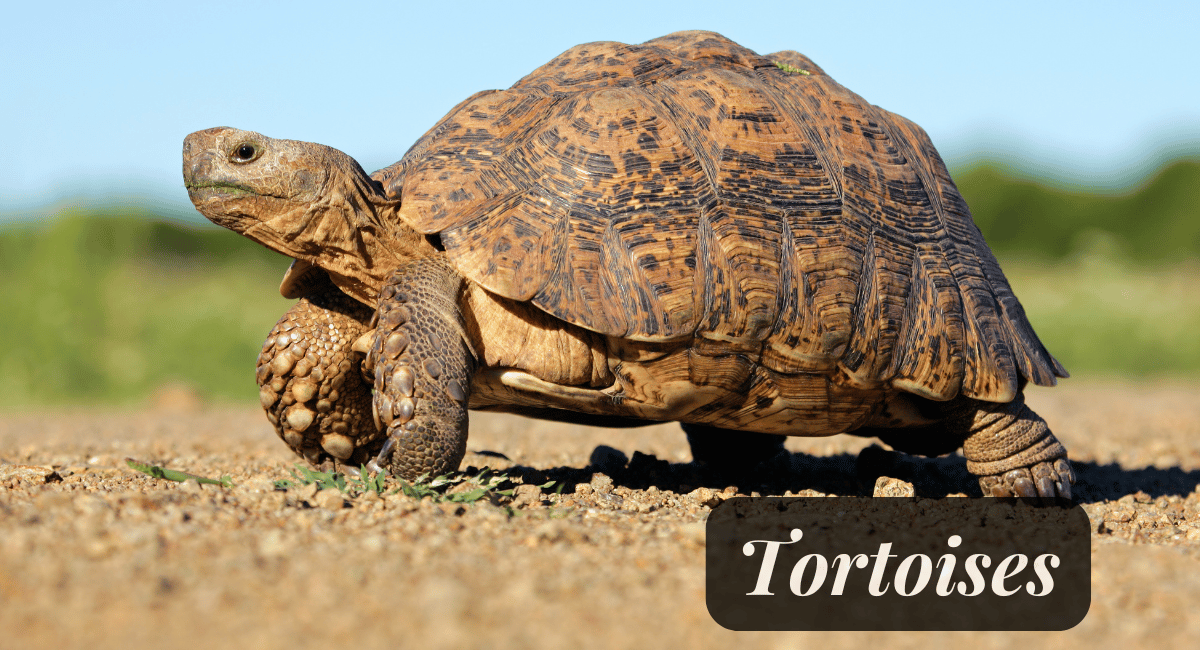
(844, 563)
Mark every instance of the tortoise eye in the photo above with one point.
(245, 153)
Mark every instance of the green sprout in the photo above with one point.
(790, 69)
(175, 475)
(353, 485)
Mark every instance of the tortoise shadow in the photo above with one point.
(854, 474)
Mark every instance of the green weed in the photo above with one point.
(175, 475)
(790, 69)
(347, 484)
(482, 484)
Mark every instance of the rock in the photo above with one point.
(886, 486)
(330, 499)
(527, 495)
(1120, 515)
(602, 483)
(257, 484)
(610, 500)
(35, 474)
(706, 497)
(307, 492)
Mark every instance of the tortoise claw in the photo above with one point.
(379, 463)
(1064, 470)
(994, 486)
(1040, 483)
(1064, 490)
(1024, 488)
(374, 467)
(1046, 488)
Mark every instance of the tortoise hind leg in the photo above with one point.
(729, 452)
(1011, 450)
(1008, 446)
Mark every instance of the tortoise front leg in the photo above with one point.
(422, 366)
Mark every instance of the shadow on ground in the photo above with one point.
(851, 474)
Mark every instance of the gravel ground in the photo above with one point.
(93, 554)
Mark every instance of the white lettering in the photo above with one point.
(770, 552)
(797, 579)
(843, 562)
(1043, 574)
(946, 562)
(881, 559)
(922, 578)
(976, 576)
(922, 564)
(1002, 573)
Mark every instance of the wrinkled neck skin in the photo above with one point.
(304, 200)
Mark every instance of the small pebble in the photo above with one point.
(885, 486)
(527, 495)
(330, 499)
(602, 483)
(705, 497)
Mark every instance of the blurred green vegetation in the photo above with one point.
(1155, 222)
(107, 306)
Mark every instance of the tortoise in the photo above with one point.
(681, 230)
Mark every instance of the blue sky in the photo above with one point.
(95, 99)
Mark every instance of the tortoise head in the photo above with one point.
(305, 200)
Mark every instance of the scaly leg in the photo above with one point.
(422, 366)
(1011, 450)
(309, 378)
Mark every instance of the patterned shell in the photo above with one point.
(689, 189)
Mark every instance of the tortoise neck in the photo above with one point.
(352, 231)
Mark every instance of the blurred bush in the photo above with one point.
(1104, 315)
(1157, 221)
(110, 305)
(107, 307)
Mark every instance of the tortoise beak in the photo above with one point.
(197, 158)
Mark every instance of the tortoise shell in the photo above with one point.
(690, 189)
